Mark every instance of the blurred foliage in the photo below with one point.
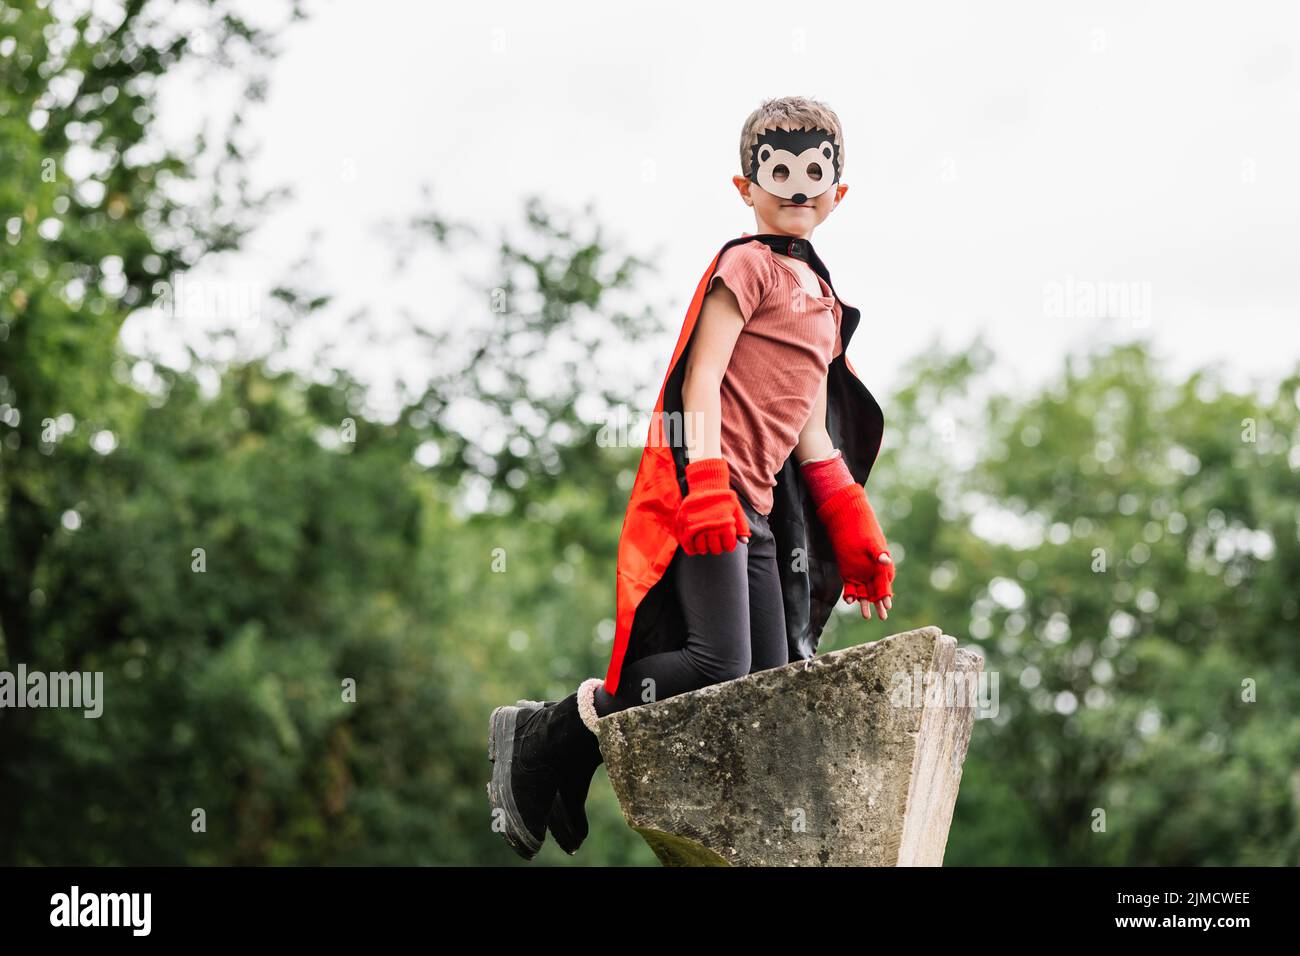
(342, 547)
(1125, 550)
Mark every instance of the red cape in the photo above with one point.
(649, 618)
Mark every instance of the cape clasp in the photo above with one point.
(791, 246)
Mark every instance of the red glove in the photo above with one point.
(710, 518)
(855, 533)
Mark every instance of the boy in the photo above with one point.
(748, 517)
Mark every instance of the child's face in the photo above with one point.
(785, 217)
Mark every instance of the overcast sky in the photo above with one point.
(1009, 164)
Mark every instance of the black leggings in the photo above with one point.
(735, 623)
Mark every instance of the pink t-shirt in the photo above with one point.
(777, 366)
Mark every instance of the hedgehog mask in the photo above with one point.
(795, 164)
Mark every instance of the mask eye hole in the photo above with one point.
(780, 173)
(815, 172)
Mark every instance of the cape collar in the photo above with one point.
(792, 246)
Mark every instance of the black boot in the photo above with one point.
(577, 765)
(526, 746)
(524, 777)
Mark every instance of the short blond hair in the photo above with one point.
(788, 112)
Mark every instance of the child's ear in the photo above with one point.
(840, 190)
(742, 185)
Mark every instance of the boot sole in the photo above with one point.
(501, 750)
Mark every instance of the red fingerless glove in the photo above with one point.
(710, 518)
(851, 523)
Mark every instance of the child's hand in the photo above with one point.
(854, 593)
(710, 519)
(874, 587)
(859, 542)
(860, 549)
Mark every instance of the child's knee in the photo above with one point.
(723, 669)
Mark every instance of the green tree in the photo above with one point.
(1124, 551)
(89, 228)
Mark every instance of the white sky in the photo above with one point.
(992, 150)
